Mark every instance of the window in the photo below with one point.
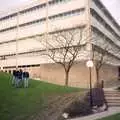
(104, 23)
(106, 13)
(54, 17)
(57, 1)
(33, 8)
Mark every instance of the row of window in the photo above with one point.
(102, 22)
(106, 13)
(111, 45)
(4, 57)
(33, 8)
(6, 29)
(43, 5)
(110, 56)
(38, 51)
(95, 30)
(60, 15)
(31, 37)
(22, 66)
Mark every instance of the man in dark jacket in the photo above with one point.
(19, 76)
(16, 78)
(25, 78)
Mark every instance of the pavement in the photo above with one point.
(109, 112)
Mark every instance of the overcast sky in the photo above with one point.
(112, 5)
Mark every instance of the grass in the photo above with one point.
(113, 117)
(19, 103)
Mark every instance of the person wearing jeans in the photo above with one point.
(26, 79)
(14, 77)
(17, 79)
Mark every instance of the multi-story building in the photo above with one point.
(20, 29)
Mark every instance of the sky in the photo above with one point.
(114, 8)
(112, 5)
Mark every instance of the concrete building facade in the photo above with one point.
(20, 43)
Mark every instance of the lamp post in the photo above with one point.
(89, 64)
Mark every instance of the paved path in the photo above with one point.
(111, 111)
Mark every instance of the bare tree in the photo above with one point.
(63, 47)
(100, 58)
(101, 54)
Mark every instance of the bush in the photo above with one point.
(118, 88)
(79, 107)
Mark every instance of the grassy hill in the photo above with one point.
(25, 103)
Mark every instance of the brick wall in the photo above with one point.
(78, 77)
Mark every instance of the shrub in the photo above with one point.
(118, 88)
(79, 107)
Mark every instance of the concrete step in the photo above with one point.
(110, 92)
(113, 101)
(113, 105)
(112, 97)
(117, 102)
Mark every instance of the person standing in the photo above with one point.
(17, 78)
(20, 77)
(14, 77)
(26, 79)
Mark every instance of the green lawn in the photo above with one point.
(19, 103)
(113, 117)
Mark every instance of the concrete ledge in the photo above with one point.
(111, 111)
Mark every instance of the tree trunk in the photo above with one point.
(97, 75)
(66, 77)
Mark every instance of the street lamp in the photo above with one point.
(89, 64)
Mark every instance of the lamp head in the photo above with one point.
(89, 63)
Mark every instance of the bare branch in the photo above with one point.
(65, 47)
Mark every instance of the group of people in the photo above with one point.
(20, 78)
